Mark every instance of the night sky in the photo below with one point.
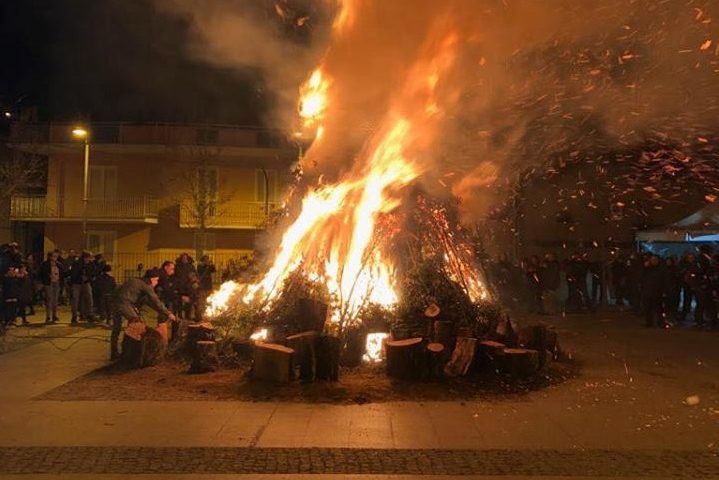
(115, 60)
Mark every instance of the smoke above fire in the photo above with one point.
(531, 79)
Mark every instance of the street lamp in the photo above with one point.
(82, 133)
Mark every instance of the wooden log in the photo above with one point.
(520, 362)
(304, 357)
(462, 357)
(205, 358)
(243, 348)
(443, 332)
(406, 358)
(143, 347)
(351, 355)
(198, 332)
(436, 359)
(327, 358)
(489, 355)
(538, 337)
(272, 363)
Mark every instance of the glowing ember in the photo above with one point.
(374, 347)
(260, 335)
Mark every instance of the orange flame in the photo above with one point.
(335, 237)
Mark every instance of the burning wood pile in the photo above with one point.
(370, 263)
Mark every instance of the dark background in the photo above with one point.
(115, 60)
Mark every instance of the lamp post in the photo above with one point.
(83, 134)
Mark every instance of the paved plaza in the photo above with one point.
(645, 405)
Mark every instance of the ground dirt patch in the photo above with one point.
(170, 381)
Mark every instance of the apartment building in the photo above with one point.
(153, 190)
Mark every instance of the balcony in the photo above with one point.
(160, 134)
(236, 215)
(39, 209)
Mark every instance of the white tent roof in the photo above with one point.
(700, 224)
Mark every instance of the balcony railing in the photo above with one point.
(124, 133)
(38, 208)
(244, 215)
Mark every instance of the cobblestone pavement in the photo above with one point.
(202, 460)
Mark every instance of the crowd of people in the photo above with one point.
(665, 291)
(85, 282)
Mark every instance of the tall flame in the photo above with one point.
(336, 236)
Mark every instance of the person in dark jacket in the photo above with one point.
(98, 264)
(168, 292)
(106, 286)
(26, 292)
(689, 275)
(11, 292)
(82, 275)
(128, 301)
(652, 292)
(671, 289)
(619, 279)
(52, 276)
(205, 270)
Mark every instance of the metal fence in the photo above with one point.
(26, 206)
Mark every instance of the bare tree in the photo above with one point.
(197, 187)
(22, 170)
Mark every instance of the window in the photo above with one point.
(103, 182)
(208, 179)
(102, 242)
(260, 185)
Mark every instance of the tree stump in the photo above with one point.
(352, 354)
(272, 363)
(541, 338)
(406, 358)
(462, 357)
(304, 357)
(327, 358)
(520, 362)
(145, 352)
(489, 355)
(198, 332)
(436, 359)
(443, 333)
(204, 358)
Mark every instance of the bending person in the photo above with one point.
(128, 300)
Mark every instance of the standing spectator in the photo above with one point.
(32, 273)
(671, 289)
(635, 268)
(703, 291)
(98, 264)
(576, 282)
(596, 274)
(205, 270)
(168, 293)
(619, 279)
(52, 276)
(689, 281)
(550, 278)
(82, 276)
(69, 262)
(10, 290)
(26, 292)
(651, 293)
(105, 285)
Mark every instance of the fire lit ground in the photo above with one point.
(644, 405)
